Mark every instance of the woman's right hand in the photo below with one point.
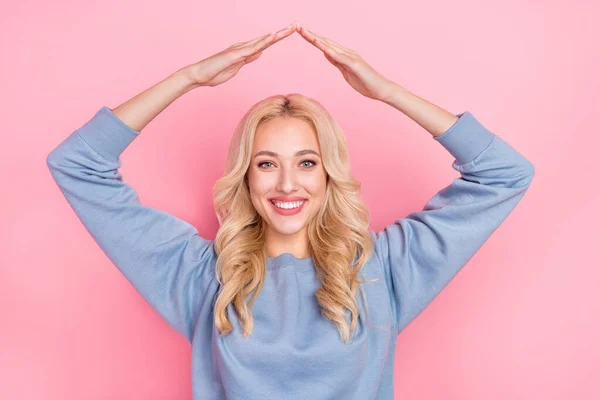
(223, 66)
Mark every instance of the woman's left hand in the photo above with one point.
(360, 75)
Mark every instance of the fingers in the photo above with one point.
(270, 38)
(336, 54)
(265, 41)
(276, 37)
(254, 41)
(311, 36)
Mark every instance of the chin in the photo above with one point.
(287, 229)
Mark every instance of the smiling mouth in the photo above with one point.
(297, 201)
(288, 211)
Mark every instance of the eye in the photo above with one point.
(264, 162)
(305, 161)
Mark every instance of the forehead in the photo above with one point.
(285, 136)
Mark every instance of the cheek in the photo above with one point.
(316, 185)
(259, 189)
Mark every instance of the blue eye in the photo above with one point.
(269, 162)
(310, 161)
(264, 162)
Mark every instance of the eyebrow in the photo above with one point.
(273, 154)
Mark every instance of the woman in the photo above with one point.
(292, 229)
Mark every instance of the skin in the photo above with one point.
(297, 176)
(286, 175)
(285, 236)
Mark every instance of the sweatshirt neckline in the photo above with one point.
(289, 260)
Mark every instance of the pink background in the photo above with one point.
(519, 322)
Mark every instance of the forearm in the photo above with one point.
(138, 111)
(429, 116)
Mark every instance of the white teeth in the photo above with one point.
(287, 206)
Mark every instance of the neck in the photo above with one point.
(295, 244)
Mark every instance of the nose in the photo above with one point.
(287, 181)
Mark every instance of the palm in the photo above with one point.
(353, 78)
(223, 66)
(223, 75)
(358, 73)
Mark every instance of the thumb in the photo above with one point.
(253, 57)
(331, 60)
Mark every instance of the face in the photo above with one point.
(279, 171)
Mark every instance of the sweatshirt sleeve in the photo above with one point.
(421, 253)
(163, 257)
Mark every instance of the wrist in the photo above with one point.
(185, 79)
(394, 95)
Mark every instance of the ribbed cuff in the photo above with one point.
(466, 139)
(107, 134)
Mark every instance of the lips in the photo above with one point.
(287, 199)
(288, 211)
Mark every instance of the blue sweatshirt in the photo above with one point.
(293, 352)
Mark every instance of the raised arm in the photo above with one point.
(163, 257)
(421, 253)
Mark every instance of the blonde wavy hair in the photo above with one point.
(338, 235)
